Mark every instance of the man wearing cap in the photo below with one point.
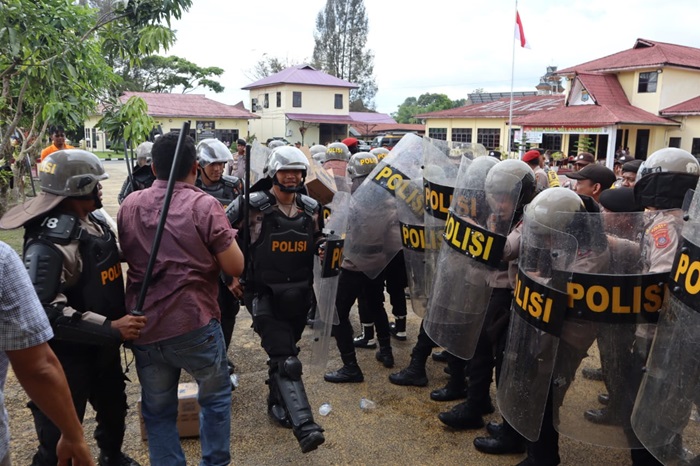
(237, 166)
(629, 173)
(534, 159)
(583, 160)
(73, 261)
(592, 180)
(353, 145)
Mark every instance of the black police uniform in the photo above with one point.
(225, 191)
(88, 352)
(278, 286)
(142, 178)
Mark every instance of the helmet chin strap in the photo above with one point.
(93, 196)
(204, 173)
(283, 188)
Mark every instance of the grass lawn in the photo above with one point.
(15, 238)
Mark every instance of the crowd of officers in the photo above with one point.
(198, 284)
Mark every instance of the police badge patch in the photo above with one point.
(660, 234)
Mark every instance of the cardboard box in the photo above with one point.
(187, 412)
(320, 183)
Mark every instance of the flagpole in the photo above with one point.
(512, 78)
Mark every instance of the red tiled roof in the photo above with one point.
(398, 127)
(604, 88)
(371, 118)
(500, 108)
(321, 118)
(354, 118)
(689, 107)
(188, 105)
(593, 115)
(644, 54)
(301, 74)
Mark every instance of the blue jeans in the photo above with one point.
(203, 355)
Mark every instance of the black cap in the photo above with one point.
(631, 166)
(595, 173)
(619, 200)
(241, 142)
(625, 158)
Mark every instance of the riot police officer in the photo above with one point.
(285, 230)
(212, 156)
(337, 156)
(509, 186)
(355, 285)
(318, 153)
(73, 260)
(142, 176)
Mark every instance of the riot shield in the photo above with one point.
(611, 293)
(472, 244)
(326, 275)
(258, 159)
(410, 212)
(665, 412)
(374, 236)
(441, 161)
(538, 312)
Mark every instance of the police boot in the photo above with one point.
(466, 415)
(385, 355)
(275, 406)
(413, 375)
(398, 328)
(291, 389)
(503, 440)
(366, 340)
(456, 387)
(349, 373)
(117, 459)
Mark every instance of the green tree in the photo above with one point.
(129, 121)
(268, 65)
(155, 73)
(54, 67)
(340, 38)
(585, 144)
(426, 103)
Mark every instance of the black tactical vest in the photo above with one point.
(283, 254)
(224, 191)
(100, 288)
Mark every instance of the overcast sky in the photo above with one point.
(444, 46)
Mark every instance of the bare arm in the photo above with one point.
(231, 260)
(41, 376)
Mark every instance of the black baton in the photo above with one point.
(184, 132)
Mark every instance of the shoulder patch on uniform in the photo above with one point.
(660, 234)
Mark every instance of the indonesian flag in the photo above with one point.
(519, 32)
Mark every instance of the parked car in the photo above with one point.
(363, 146)
(386, 140)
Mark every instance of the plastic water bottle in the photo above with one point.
(325, 409)
(367, 405)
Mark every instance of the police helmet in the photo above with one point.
(665, 177)
(669, 159)
(275, 143)
(317, 149)
(143, 151)
(337, 151)
(212, 151)
(546, 207)
(286, 158)
(500, 179)
(361, 164)
(478, 171)
(71, 172)
(380, 152)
